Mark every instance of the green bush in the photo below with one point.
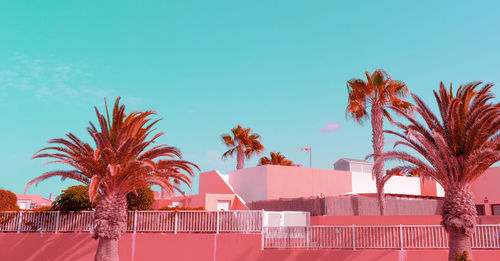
(8, 201)
(74, 198)
(142, 201)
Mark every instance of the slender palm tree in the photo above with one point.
(121, 162)
(276, 159)
(454, 150)
(244, 143)
(376, 94)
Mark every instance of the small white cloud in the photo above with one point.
(331, 127)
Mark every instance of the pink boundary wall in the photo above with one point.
(199, 247)
(390, 220)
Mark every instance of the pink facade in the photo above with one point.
(32, 201)
(271, 182)
(274, 182)
(199, 247)
(486, 191)
(215, 193)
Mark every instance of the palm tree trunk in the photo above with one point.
(458, 218)
(459, 243)
(240, 157)
(110, 224)
(378, 149)
(107, 250)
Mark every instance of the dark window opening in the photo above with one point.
(495, 210)
(480, 210)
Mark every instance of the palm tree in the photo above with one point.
(276, 159)
(244, 143)
(377, 93)
(453, 150)
(121, 162)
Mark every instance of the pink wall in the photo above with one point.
(378, 220)
(250, 183)
(487, 186)
(211, 182)
(199, 247)
(389, 220)
(294, 182)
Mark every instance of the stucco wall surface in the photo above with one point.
(196, 247)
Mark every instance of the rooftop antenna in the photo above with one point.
(308, 150)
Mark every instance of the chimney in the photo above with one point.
(51, 197)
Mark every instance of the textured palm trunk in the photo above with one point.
(458, 218)
(378, 149)
(110, 224)
(240, 157)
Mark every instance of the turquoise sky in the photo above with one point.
(279, 67)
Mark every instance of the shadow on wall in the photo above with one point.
(48, 246)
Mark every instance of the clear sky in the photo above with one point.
(279, 67)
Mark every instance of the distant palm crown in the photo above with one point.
(121, 161)
(379, 89)
(244, 139)
(276, 159)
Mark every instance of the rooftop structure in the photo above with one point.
(31, 201)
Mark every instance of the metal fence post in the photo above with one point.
(262, 230)
(175, 222)
(217, 223)
(57, 222)
(135, 221)
(19, 223)
(353, 238)
(308, 235)
(401, 236)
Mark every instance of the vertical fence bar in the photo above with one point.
(353, 238)
(57, 222)
(217, 216)
(401, 237)
(175, 222)
(20, 221)
(135, 221)
(308, 235)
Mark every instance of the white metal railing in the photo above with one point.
(137, 221)
(356, 237)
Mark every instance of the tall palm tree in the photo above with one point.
(454, 150)
(276, 159)
(376, 94)
(244, 143)
(121, 162)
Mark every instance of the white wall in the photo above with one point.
(439, 190)
(250, 183)
(403, 185)
(363, 183)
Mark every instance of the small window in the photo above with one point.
(480, 210)
(495, 210)
(176, 204)
(223, 204)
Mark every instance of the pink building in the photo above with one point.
(274, 182)
(30, 201)
(270, 182)
(215, 193)
(487, 194)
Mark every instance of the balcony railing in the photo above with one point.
(303, 237)
(137, 221)
(357, 237)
